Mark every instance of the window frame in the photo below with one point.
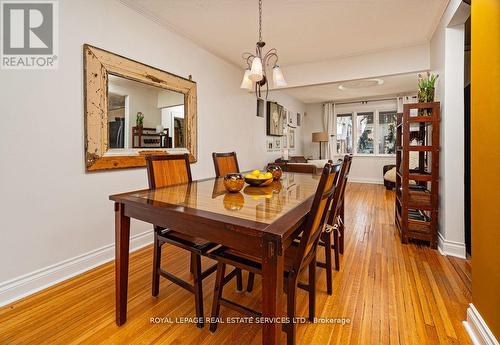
(354, 113)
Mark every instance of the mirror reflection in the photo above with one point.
(144, 116)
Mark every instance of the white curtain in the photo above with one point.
(328, 122)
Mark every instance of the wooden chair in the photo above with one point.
(334, 224)
(340, 218)
(169, 170)
(298, 257)
(225, 163)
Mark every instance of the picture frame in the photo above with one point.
(291, 119)
(261, 107)
(291, 138)
(269, 144)
(298, 119)
(274, 123)
(277, 143)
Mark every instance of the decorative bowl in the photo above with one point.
(276, 171)
(256, 182)
(234, 182)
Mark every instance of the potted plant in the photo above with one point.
(139, 120)
(426, 89)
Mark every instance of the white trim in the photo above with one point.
(451, 248)
(30, 283)
(365, 180)
(478, 330)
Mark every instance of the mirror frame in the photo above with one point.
(98, 64)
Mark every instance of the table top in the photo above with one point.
(258, 207)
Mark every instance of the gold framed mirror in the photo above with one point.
(132, 109)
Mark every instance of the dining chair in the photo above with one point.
(340, 218)
(225, 163)
(333, 225)
(298, 257)
(174, 170)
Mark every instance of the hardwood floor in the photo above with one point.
(392, 294)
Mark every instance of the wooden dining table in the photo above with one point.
(260, 221)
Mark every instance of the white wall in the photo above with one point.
(365, 168)
(52, 212)
(447, 59)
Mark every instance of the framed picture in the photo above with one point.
(285, 141)
(298, 119)
(277, 143)
(291, 119)
(269, 144)
(274, 123)
(261, 107)
(291, 138)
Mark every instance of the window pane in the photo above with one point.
(364, 122)
(387, 132)
(344, 133)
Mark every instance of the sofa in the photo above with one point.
(300, 164)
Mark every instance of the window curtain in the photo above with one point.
(328, 123)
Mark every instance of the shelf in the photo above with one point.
(416, 119)
(420, 148)
(420, 177)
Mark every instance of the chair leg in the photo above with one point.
(198, 290)
(312, 288)
(251, 278)
(155, 288)
(291, 299)
(239, 280)
(341, 229)
(336, 246)
(328, 262)
(219, 281)
(191, 263)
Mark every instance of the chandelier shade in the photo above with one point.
(279, 80)
(246, 83)
(256, 71)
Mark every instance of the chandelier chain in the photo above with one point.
(260, 20)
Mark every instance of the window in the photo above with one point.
(365, 135)
(344, 133)
(387, 132)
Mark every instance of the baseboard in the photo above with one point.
(365, 180)
(30, 283)
(477, 329)
(451, 248)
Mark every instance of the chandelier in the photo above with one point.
(255, 77)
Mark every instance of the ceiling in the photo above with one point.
(393, 85)
(301, 30)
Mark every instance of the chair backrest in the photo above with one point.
(168, 170)
(225, 163)
(338, 197)
(315, 221)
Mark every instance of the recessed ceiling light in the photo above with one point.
(360, 84)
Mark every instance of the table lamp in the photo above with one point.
(319, 137)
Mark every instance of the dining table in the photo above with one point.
(259, 221)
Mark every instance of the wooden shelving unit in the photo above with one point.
(417, 185)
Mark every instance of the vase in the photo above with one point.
(234, 182)
(276, 171)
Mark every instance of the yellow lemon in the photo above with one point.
(256, 172)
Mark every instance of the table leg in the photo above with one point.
(272, 291)
(122, 241)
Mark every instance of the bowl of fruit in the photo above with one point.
(259, 178)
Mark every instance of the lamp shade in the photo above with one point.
(279, 80)
(319, 137)
(256, 71)
(246, 83)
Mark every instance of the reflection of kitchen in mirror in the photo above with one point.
(144, 116)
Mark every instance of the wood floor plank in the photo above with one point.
(391, 294)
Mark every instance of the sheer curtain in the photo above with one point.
(328, 122)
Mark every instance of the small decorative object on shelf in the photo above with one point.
(426, 90)
(417, 172)
(234, 182)
(276, 171)
(139, 120)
